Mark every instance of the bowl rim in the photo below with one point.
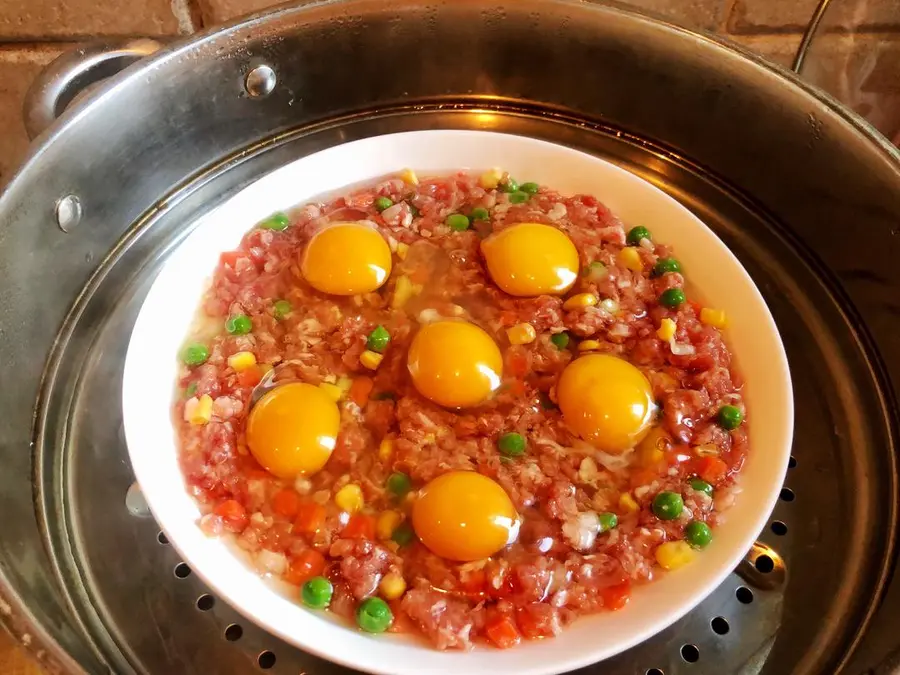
(438, 151)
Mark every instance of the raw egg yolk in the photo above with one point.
(606, 401)
(531, 259)
(346, 259)
(454, 363)
(292, 430)
(464, 516)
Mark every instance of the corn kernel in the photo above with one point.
(631, 259)
(409, 176)
(392, 586)
(402, 250)
(344, 383)
(370, 359)
(385, 449)
(349, 498)
(713, 317)
(491, 179)
(386, 524)
(666, 330)
(521, 334)
(588, 345)
(627, 503)
(674, 554)
(241, 361)
(581, 300)
(198, 410)
(334, 392)
(403, 291)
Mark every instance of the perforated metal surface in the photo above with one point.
(148, 613)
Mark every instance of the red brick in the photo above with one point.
(18, 67)
(219, 11)
(704, 14)
(86, 19)
(775, 16)
(861, 72)
(780, 49)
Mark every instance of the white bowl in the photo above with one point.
(150, 373)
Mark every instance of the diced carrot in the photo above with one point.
(517, 388)
(711, 469)
(233, 515)
(502, 631)
(304, 567)
(517, 360)
(473, 583)
(360, 390)
(286, 503)
(508, 318)
(249, 377)
(310, 518)
(360, 526)
(616, 596)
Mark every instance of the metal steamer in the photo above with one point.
(806, 195)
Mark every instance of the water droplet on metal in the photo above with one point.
(135, 502)
(260, 81)
(68, 212)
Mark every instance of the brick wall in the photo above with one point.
(33, 32)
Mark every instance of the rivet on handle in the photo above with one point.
(260, 81)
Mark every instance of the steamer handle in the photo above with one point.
(54, 89)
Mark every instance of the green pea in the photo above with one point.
(399, 484)
(698, 534)
(281, 308)
(404, 535)
(518, 197)
(374, 615)
(667, 505)
(277, 222)
(195, 354)
(561, 340)
(664, 265)
(383, 203)
(672, 298)
(701, 485)
(608, 521)
(511, 444)
(510, 185)
(316, 593)
(636, 234)
(239, 325)
(530, 188)
(378, 339)
(457, 222)
(190, 390)
(480, 213)
(729, 417)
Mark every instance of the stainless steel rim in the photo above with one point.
(170, 198)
